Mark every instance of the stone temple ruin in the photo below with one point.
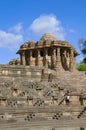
(47, 52)
(33, 88)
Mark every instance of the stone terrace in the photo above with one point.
(34, 98)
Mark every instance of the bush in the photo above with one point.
(82, 67)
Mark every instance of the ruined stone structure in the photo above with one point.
(33, 91)
(48, 52)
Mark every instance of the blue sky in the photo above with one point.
(24, 20)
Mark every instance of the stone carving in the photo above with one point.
(30, 116)
(44, 57)
(57, 116)
(14, 62)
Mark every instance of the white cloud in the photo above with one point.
(47, 24)
(17, 28)
(72, 31)
(10, 40)
(43, 24)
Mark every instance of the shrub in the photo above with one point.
(82, 67)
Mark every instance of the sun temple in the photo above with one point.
(48, 52)
(42, 89)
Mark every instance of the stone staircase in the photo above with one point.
(61, 101)
(39, 102)
(82, 113)
(29, 98)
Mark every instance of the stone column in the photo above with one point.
(45, 58)
(68, 59)
(71, 60)
(58, 61)
(53, 58)
(30, 57)
(38, 57)
(64, 55)
(58, 57)
(23, 61)
(20, 59)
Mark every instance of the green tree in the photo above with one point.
(82, 45)
(82, 66)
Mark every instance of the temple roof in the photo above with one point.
(48, 36)
(47, 40)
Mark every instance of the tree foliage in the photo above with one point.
(82, 66)
(82, 45)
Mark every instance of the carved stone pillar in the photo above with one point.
(68, 59)
(58, 61)
(63, 58)
(64, 53)
(23, 61)
(38, 57)
(30, 57)
(71, 60)
(20, 59)
(53, 58)
(45, 62)
(58, 57)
